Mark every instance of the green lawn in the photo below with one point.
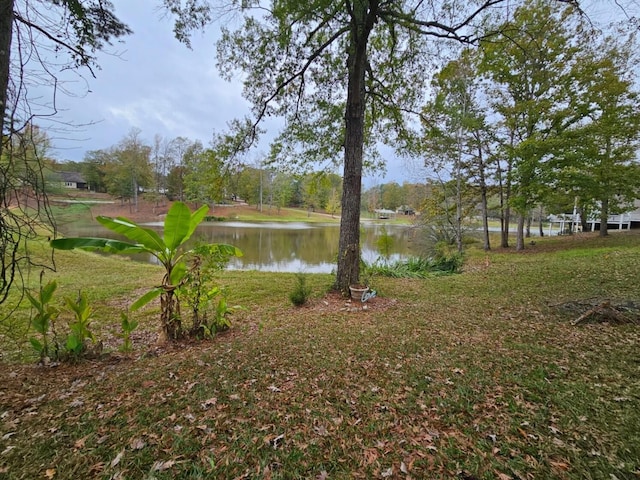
(473, 376)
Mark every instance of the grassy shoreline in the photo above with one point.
(478, 376)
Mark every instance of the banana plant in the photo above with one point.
(46, 313)
(170, 250)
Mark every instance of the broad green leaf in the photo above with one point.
(196, 219)
(74, 344)
(34, 301)
(213, 292)
(176, 225)
(47, 292)
(129, 325)
(36, 344)
(146, 236)
(177, 273)
(229, 250)
(222, 307)
(104, 244)
(40, 323)
(146, 298)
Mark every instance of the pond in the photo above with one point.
(280, 247)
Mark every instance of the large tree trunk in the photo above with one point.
(348, 271)
(604, 217)
(483, 201)
(505, 209)
(520, 232)
(485, 216)
(6, 29)
(540, 225)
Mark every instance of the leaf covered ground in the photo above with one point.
(471, 376)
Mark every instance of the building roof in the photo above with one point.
(74, 177)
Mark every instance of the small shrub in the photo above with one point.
(128, 326)
(42, 321)
(76, 340)
(48, 344)
(220, 320)
(301, 292)
(206, 301)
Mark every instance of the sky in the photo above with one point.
(152, 82)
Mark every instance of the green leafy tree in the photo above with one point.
(282, 186)
(175, 183)
(205, 176)
(598, 163)
(170, 250)
(333, 205)
(532, 67)
(457, 136)
(248, 185)
(133, 159)
(93, 169)
(392, 196)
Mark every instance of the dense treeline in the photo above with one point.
(544, 116)
(183, 169)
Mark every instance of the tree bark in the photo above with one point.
(505, 209)
(483, 200)
(348, 271)
(485, 216)
(505, 200)
(520, 232)
(604, 217)
(540, 225)
(6, 31)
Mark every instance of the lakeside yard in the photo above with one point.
(473, 376)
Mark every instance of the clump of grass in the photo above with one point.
(301, 292)
(417, 267)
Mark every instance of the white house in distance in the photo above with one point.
(570, 221)
(73, 180)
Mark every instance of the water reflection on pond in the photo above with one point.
(281, 247)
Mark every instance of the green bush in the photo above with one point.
(301, 292)
(205, 300)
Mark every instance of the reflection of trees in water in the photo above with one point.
(399, 248)
(309, 248)
(279, 247)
